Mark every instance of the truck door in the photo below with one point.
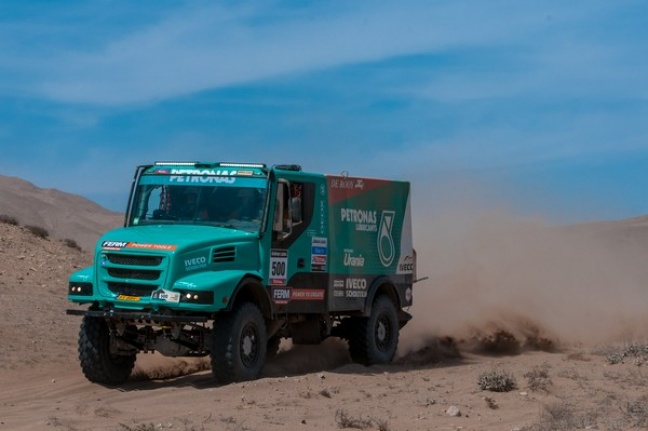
(299, 253)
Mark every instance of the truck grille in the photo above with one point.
(132, 274)
(130, 289)
(136, 274)
(133, 260)
(224, 254)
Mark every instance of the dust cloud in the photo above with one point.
(499, 283)
(154, 366)
(494, 274)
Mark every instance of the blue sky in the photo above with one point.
(536, 106)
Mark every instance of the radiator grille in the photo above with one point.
(133, 259)
(134, 274)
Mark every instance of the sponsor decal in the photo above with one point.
(195, 263)
(322, 218)
(114, 245)
(347, 183)
(307, 294)
(405, 265)
(355, 287)
(357, 216)
(365, 220)
(128, 298)
(319, 242)
(356, 283)
(338, 293)
(319, 249)
(338, 283)
(213, 172)
(386, 250)
(353, 261)
(166, 295)
(342, 188)
(163, 247)
(281, 295)
(203, 176)
(278, 267)
(118, 245)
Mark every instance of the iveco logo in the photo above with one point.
(195, 263)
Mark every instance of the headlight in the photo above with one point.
(195, 297)
(80, 289)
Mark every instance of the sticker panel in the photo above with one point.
(319, 251)
(278, 267)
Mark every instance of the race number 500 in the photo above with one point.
(278, 265)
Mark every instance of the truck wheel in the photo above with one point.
(98, 364)
(239, 345)
(373, 339)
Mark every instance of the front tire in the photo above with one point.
(98, 363)
(374, 339)
(239, 345)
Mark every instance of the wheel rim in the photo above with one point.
(249, 347)
(383, 332)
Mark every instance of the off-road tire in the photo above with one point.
(374, 339)
(97, 363)
(239, 344)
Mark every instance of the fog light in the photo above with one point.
(198, 298)
(78, 288)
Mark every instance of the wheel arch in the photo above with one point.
(250, 289)
(381, 286)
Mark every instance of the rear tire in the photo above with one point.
(374, 339)
(239, 345)
(98, 364)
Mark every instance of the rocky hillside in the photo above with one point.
(33, 287)
(63, 215)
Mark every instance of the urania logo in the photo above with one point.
(386, 250)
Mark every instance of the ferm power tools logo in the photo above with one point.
(386, 250)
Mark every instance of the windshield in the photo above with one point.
(235, 205)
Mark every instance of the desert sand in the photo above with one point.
(558, 314)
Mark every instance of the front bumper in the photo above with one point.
(141, 316)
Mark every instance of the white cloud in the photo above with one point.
(210, 46)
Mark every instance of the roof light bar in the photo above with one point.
(242, 165)
(176, 163)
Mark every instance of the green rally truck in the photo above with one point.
(226, 259)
